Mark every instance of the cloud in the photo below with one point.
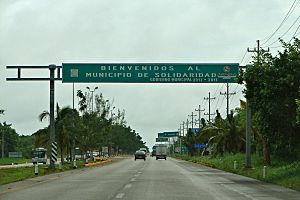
(46, 32)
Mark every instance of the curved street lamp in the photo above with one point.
(92, 91)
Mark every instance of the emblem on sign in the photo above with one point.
(226, 69)
(74, 72)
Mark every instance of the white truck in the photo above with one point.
(161, 151)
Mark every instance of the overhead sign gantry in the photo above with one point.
(151, 72)
(127, 73)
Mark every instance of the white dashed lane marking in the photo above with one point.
(128, 186)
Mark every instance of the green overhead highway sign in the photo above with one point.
(162, 139)
(151, 72)
(168, 134)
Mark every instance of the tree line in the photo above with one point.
(272, 90)
(12, 142)
(93, 126)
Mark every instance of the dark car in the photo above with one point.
(153, 153)
(140, 155)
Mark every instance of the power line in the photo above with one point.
(209, 98)
(227, 94)
(244, 56)
(222, 102)
(295, 33)
(285, 32)
(216, 105)
(237, 92)
(199, 115)
(249, 58)
(216, 90)
(192, 116)
(292, 8)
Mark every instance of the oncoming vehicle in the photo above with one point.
(143, 149)
(140, 155)
(39, 155)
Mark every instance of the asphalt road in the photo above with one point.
(143, 180)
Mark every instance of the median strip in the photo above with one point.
(97, 163)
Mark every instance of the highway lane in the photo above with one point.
(151, 179)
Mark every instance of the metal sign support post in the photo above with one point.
(51, 79)
(53, 144)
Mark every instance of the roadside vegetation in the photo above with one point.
(9, 161)
(273, 93)
(272, 89)
(18, 174)
(282, 173)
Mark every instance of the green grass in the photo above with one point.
(280, 173)
(18, 174)
(9, 161)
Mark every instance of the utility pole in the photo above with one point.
(187, 126)
(199, 115)
(248, 116)
(183, 128)
(227, 93)
(2, 142)
(209, 98)
(179, 133)
(179, 138)
(192, 115)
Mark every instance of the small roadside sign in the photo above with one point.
(162, 139)
(199, 146)
(184, 149)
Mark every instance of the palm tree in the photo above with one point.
(41, 138)
(226, 135)
(64, 125)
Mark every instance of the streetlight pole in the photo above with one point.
(2, 141)
(112, 114)
(92, 91)
(73, 159)
(73, 96)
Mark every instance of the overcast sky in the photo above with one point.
(43, 32)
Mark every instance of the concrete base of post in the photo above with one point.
(74, 164)
(36, 169)
(265, 172)
(234, 165)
